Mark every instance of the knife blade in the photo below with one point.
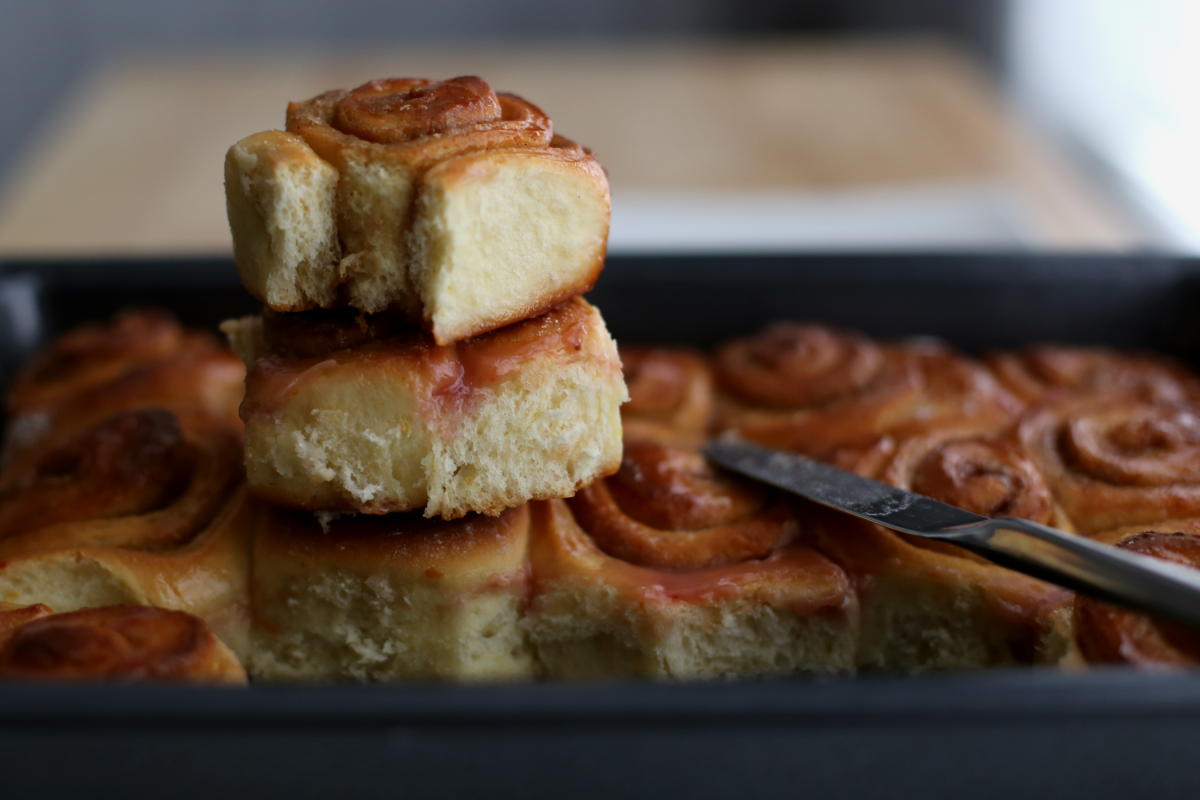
(1117, 576)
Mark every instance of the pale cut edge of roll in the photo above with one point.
(503, 236)
(358, 435)
(585, 623)
(279, 196)
(477, 242)
(449, 608)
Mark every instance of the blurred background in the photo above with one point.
(726, 125)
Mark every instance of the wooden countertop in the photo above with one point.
(132, 163)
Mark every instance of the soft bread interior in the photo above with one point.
(374, 215)
(363, 444)
(585, 628)
(468, 245)
(355, 436)
(280, 200)
(390, 598)
(344, 625)
(499, 237)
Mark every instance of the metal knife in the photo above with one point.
(1117, 576)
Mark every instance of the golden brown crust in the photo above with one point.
(922, 417)
(416, 121)
(977, 467)
(410, 546)
(667, 525)
(318, 334)
(13, 616)
(116, 643)
(670, 394)
(1113, 461)
(413, 161)
(929, 607)
(134, 480)
(841, 398)
(1111, 635)
(794, 576)
(667, 508)
(448, 381)
(974, 466)
(135, 496)
(140, 359)
(1044, 371)
(530, 411)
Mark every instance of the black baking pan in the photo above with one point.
(1001, 734)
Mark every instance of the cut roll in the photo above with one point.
(390, 597)
(392, 422)
(445, 202)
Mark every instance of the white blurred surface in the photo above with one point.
(1119, 76)
(955, 216)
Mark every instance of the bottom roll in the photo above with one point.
(390, 597)
(666, 570)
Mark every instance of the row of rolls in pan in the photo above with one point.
(123, 485)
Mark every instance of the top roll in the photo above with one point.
(445, 201)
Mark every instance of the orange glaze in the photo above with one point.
(825, 587)
(870, 553)
(447, 380)
(796, 576)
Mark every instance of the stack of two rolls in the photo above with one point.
(420, 248)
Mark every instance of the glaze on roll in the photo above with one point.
(840, 397)
(1111, 635)
(1050, 371)
(929, 605)
(669, 569)
(670, 394)
(1113, 461)
(139, 359)
(394, 422)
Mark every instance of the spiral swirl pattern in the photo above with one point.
(135, 494)
(1115, 461)
(135, 480)
(417, 121)
(141, 359)
(841, 398)
(1045, 371)
(667, 508)
(791, 366)
(986, 474)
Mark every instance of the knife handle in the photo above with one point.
(1107, 573)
